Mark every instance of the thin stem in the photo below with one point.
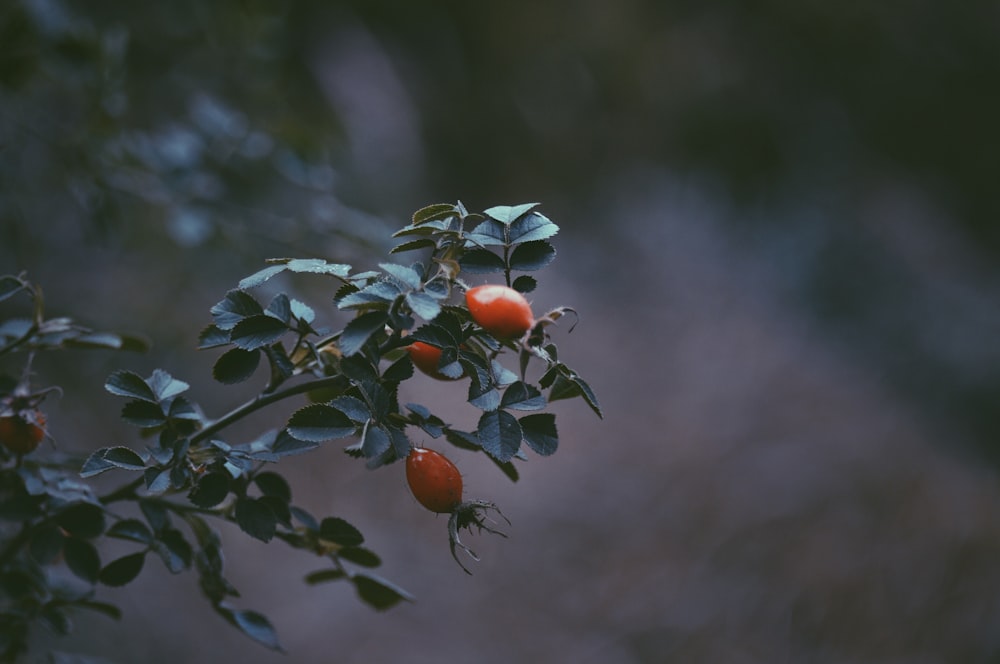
(259, 402)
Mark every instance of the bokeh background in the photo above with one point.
(779, 222)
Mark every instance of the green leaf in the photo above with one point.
(82, 559)
(212, 337)
(360, 556)
(236, 306)
(484, 396)
(532, 256)
(375, 442)
(507, 214)
(524, 284)
(377, 592)
(129, 384)
(156, 515)
(413, 245)
(522, 396)
(500, 434)
(435, 212)
(210, 490)
(354, 408)
(256, 519)
(157, 479)
(302, 311)
(287, 445)
(273, 484)
(257, 278)
(143, 414)
(481, 261)
(424, 305)
(339, 531)
(235, 366)
(488, 233)
(82, 520)
(280, 308)
(317, 423)
(123, 570)
(359, 330)
(257, 331)
(379, 293)
(318, 266)
(253, 624)
(174, 549)
(404, 274)
(531, 227)
(540, 433)
(132, 530)
(325, 576)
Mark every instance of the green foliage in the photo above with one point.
(185, 473)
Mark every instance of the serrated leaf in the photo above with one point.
(212, 337)
(173, 549)
(318, 266)
(256, 519)
(132, 530)
(257, 331)
(524, 284)
(500, 434)
(484, 397)
(210, 490)
(413, 245)
(318, 423)
(253, 624)
(374, 442)
(82, 520)
(236, 306)
(531, 256)
(405, 274)
(531, 227)
(354, 408)
(287, 445)
(82, 559)
(235, 366)
(509, 213)
(123, 570)
(129, 384)
(487, 234)
(157, 479)
(540, 433)
(257, 278)
(522, 396)
(379, 293)
(377, 592)
(359, 330)
(339, 531)
(424, 305)
(143, 414)
(435, 212)
(481, 261)
(302, 311)
(280, 308)
(274, 485)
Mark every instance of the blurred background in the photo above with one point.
(779, 223)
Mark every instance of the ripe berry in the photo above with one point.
(434, 480)
(22, 432)
(427, 358)
(501, 311)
